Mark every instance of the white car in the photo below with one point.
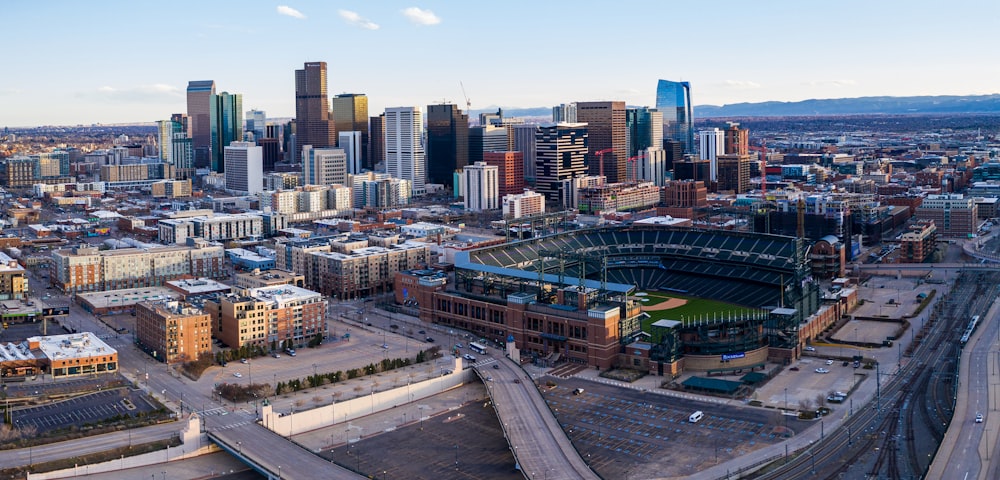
(979, 418)
(237, 374)
(829, 362)
(822, 370)
(810, 349)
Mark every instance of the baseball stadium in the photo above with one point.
(643, 295)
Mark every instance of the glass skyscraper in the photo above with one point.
(674, 100)
(227, 126)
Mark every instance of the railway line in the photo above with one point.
(896, 435)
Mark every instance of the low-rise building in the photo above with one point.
(268, 317)
(60, 355)
(13, 282)
(917, 245)
(269, 278)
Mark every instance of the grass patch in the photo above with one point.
(690, 311)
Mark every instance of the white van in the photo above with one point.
(696, 416)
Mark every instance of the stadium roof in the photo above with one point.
(462, 261)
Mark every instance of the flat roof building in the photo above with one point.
(172, 331)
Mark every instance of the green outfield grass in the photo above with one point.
(690, 311)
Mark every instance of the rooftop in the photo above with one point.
(77, 345)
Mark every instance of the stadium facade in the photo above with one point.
(571, 297)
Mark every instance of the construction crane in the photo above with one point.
(468, 103)
(632, 166)
(600, 159)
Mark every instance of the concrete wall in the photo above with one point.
(194, 444)
(293, 423)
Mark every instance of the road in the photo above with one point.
(539, 444)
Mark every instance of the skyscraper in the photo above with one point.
(404, 152)
(350, 114)
(244, 168)
(312, 108)
(606, 133)
(376, 141)
(256, 123)
(737, 140)
(560, 152)
(564, 113)
(350, 142)
(486, 138)
(645, 129)
(674, 100)
(480, 187)
(324, 166)
(200, 103)
(447, 142)
(510, 171)
(711, 144)
(524, 142)
(227, 126)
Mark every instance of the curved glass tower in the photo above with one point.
(674, 100)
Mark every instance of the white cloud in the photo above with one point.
(421, 17)
(741, 84)
(291, 12)
(354, 19)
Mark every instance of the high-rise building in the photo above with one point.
(349, 112)
(733, 172)
(257, 123)
(227, 126)
(711, 144)
(312, 108)
(523, 204)
(200, 105)
(674, 100)
(606, 133)
(352, 143)
(510, 171)
(698, 170)
(447, 142)
(486, 138)
(737, 140)
(272, 152)
(650, 166)
(324, 166)
(481, 187)
(564, 113)
(645, 129)
(524, 142)
(244, 168)
(376, 142)
(675, 153)
(404, 152)
(561, 152)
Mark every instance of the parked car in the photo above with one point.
(822, 370)
(237, 374)
(829, 362)
(810, 349)
(276, 355)
(243, 360)
(429, 340)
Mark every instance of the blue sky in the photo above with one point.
(81, 62)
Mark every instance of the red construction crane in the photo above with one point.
(632, 168)
(600, 159)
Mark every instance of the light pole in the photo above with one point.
(456, 456)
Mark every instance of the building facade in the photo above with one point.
(607, 138)
(523, 204)
(324, 166)
(481, 187)
(954, 215)
(673, 99)
(447, 142)
(561, 154)
(313, 124)
(173, 331)
(268, 317)
(200, 112)
(87, 269)
(350, 114)
(244, 168)
(404, 150)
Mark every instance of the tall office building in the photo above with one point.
(447, 142)
(486, 138)
(481, 184)
(606, 133)
(324, 166)
(404, 152)
(376, 142)
(510, 171)
(524, 142)
(200, 105)
(227, 126)
(711, 144)
(165, 130)
(244, 168)
(645, 129)
(272, 152)
(349, 112)
(312, 108)
(352, 144)
(674, 100)
(737, 140)
(564, 113)
(733, 172)
(257, 123)
(561, 153)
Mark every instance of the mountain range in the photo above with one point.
(927, 105)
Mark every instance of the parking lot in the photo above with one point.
(632, 433)
(87, 409)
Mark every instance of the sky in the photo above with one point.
(109, 61)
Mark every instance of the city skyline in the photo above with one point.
(108, 62)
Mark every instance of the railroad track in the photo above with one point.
(926, 384)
